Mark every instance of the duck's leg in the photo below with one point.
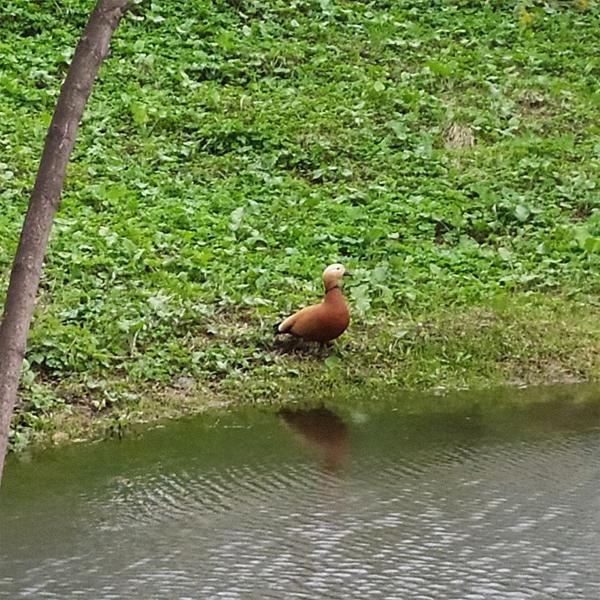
(325, 348)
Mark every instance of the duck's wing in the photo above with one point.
(287, 324)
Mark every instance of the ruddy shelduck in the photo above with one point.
(325, 321)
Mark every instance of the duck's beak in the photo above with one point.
(348, 274)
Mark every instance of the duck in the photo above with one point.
(325, 321)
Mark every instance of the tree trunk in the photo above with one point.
(45, 198)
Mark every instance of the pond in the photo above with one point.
(382, 495)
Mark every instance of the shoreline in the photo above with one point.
(529, 341)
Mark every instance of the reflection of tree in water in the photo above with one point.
(322, 430)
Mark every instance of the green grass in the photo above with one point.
(448, 153)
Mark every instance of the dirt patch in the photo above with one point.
(458, 137)
(533, 103)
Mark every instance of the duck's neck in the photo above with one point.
(333, 294)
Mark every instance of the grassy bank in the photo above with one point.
(527, 340)
(448, 154)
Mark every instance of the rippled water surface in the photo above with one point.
(464, 497)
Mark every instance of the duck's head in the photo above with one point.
(333, 274)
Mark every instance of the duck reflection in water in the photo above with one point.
(321, 430)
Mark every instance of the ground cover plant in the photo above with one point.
(447, 153)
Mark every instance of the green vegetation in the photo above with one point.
(448, 153)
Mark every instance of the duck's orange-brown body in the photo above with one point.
(321, 322)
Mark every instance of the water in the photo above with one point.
(401, 497)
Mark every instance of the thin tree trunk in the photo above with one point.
(45, 198)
